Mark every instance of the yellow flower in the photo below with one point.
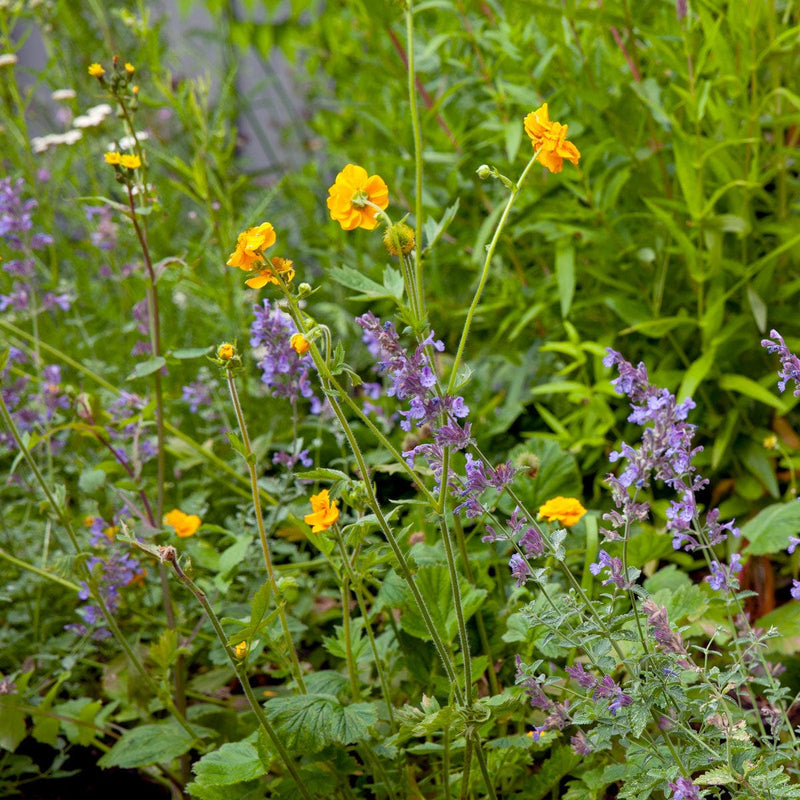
(269, 274)
(226, 351)
(184, 524)
(299, 343)
(351, 194)
(240, 650)
(129, 68)
(324, 513)
(249, 245)
(96, 71)
(566, 510)
(130, 162)
(113, 158)
(550, 139)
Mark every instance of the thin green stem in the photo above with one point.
(262, 533)
(417, 133)
(485, 273)
(170, 556)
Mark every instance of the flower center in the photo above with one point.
(359, 199)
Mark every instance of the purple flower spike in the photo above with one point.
(790, 363)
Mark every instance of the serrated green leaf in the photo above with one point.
(147, 367)
(237, 444)
(233, 762)
(433, 582)
(78, 719)
(353, 279)
(91, 479)
(148, 744)
(308, 723)
(715, 777)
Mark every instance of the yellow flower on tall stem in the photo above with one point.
(96, 70)
(250, 246)
(355, 198)
(324, 513)
(183, 524)
(566, 510)
(550, 139)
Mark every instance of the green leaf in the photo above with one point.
(78, 719)
(770, 529)
(656, 328)
(323, 474)
(237, 444)
(565, 273)
(434, 230)
(696, 373)
(308, 723)
(353, 279)
(12, 725)
(433, 582)
(749, 388)
(148, 744)
(189, 352)
(147, 367)
(759, 465)
(257, 614)
(716, 777)
(91, 480)
(232, 763)
(759, 309)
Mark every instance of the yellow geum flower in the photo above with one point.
(550, 139)
(324, 513)
(96, 71)
(129, 68)
(130, 161)
(184, 524)
(250, 246)
(226, 351)
(566, 510)
(240, 650)
(354, 196)
(299, 343)
(113, 158)
(269, 274)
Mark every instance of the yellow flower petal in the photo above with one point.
(184, 524)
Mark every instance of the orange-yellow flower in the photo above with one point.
(184, 524)
(269, 274)
(299, 343)
(129, 68)
(566, 510)
(96, 71)
(240, 650)
(130, 162)
(324, 513)
(550, 139)
(351, 195)
(226, 351)
(250, 245)
(113, 158)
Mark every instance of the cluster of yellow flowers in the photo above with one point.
(249, 256)
(123, 160)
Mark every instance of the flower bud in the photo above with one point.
(399, 238)
(299, 343)
(484, 171)
(304, 289)
(226, 351)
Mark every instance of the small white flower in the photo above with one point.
(8, 59)
(61, 95)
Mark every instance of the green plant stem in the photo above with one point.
(297, 672)
(483, 766)
(358, 589)
(352, 668)
(456, 589)
(170, 555)
(417, 133)
(485, 273)
(372, 500)
(467, 767)
(42, 573)
(446, 762)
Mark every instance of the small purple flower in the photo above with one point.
(284, 372)
(583, 678)
(519, 568)
(684, 789)
(289, 460)
(607, 688)
(793, 542)
(670, 641)
(790, 363)
(531, 542)
(722, 577)
(614, 567)
(580, 744)
(795, 590)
